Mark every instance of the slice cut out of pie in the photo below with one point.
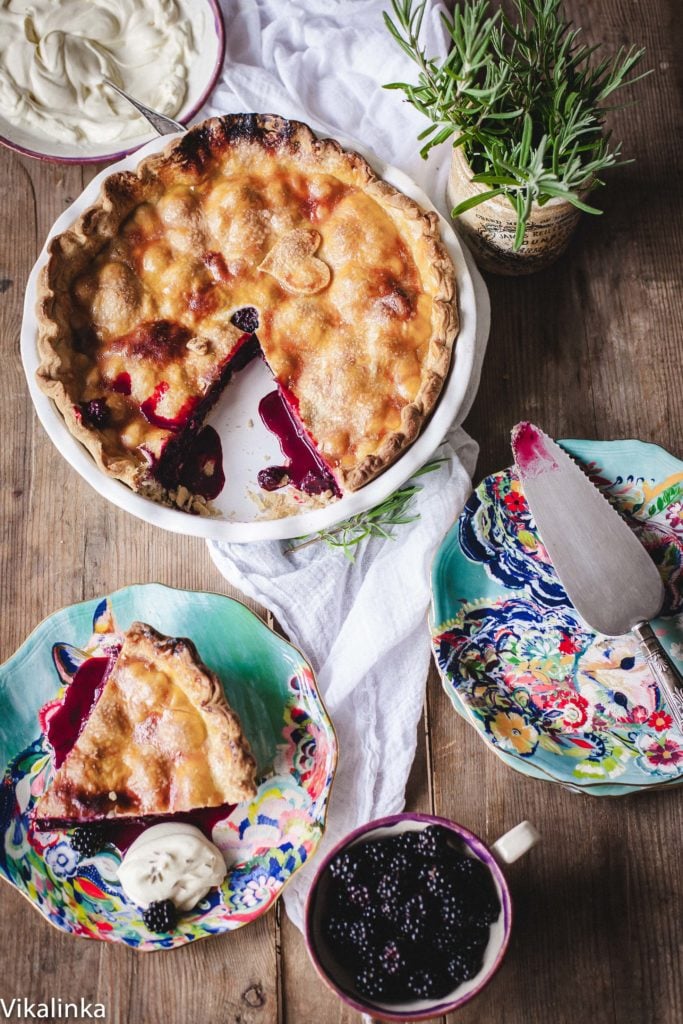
(160, 739)
(247, 236)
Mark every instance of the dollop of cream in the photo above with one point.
(54, 54)
(171, 862)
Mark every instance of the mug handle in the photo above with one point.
(515, 843)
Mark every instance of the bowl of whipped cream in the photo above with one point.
(55, 55)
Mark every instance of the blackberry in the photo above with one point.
(273, 477)
(405, 842)
(371, 982)
(452, 912)
(436, 881)
(347, 931)
(458, 969)
(160, 916)
(345, 867)
(316, 482)
(96, 412)
(389, 887)
(433, 842)
(245, 319)
(375, 855)
(87, 840)
(429, 982)
(412, 918)
(337, 929)
(353, 936)
(462, 966)
(388, 911)
(401, 862)
(471, 869)
(358, 894)
(391, 959)
(362, 900)
(358, 938)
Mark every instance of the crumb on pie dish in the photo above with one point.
(248, 237)
(160, 738)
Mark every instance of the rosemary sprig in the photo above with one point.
(376, 522)
(524, 98)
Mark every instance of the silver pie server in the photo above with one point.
(607, 573)
(161, 124)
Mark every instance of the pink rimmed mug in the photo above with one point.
(505, 850)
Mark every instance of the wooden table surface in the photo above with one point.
(590, 348)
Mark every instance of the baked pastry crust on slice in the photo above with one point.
(161, 739)
(352, 288)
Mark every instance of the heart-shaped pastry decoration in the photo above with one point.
(292, 263)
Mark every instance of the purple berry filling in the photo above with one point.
(96, 413)
(245, 319)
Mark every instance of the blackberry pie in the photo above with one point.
(248, 237)
(158, 739)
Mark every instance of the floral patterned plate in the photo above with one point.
(265, 841)
(551, 697)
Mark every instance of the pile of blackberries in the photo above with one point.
(409, 916)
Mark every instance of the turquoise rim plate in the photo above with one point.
(264, 841)
(552, 698)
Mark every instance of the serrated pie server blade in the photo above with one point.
(607, 573)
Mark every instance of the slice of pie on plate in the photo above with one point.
(160, 739)
(247, 235)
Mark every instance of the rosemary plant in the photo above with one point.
(524, 98)
(376, 522)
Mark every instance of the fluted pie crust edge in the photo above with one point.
(70, 253)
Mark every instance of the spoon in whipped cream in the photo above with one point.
(159, 122)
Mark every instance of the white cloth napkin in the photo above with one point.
(363, 625)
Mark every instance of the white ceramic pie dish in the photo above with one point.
(203, 71)
(247, 445)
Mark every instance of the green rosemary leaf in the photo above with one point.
(579, 204)
(493, 179)
(376, 522)
(525, 143)
(504, 115)
(519, 232)
(468, 204)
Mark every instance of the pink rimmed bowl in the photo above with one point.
(204, 68)
(505, 850)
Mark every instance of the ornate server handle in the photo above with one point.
(665, 672)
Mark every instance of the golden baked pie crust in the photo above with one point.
(380, 423)
(161, 739)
